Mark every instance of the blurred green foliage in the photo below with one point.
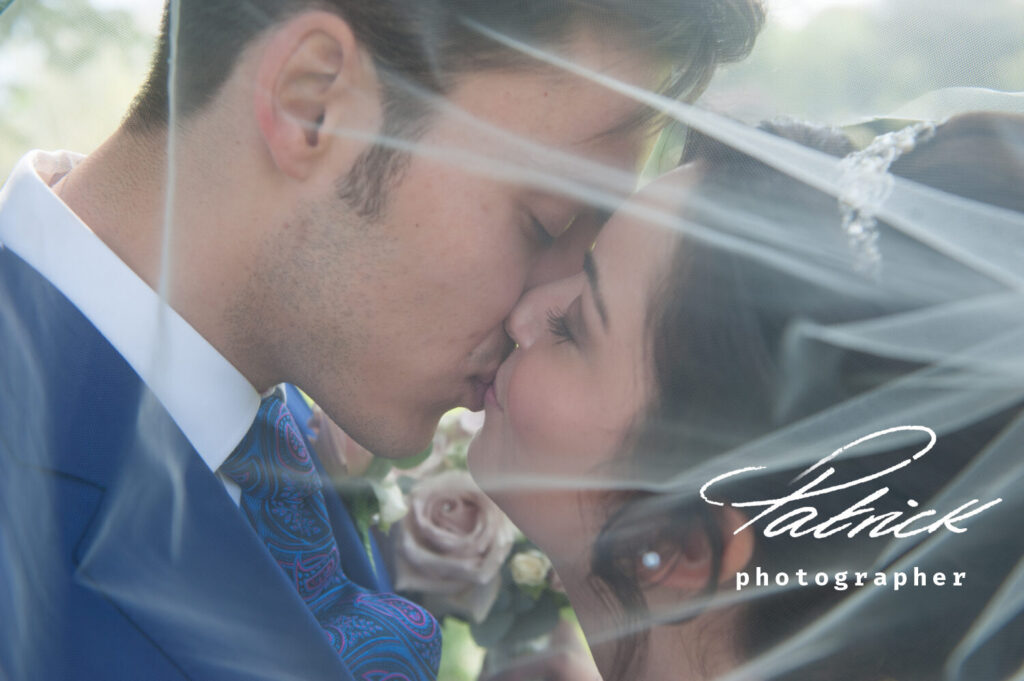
(853, 62)
(68, 71)
(70, 32)
(69, 68)
(461, 657)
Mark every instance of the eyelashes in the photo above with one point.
(558, 326)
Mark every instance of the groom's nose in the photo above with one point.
(518, 325)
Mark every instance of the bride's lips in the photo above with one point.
(491, 398)
(497, 387)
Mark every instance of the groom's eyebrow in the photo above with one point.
(591, 270)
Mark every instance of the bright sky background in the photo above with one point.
(796, 13)
(147, 12)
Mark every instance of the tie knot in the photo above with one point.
(272, 460)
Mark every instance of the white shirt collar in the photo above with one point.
(212, 403)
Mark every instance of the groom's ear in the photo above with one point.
(317, 101)
(687, 566)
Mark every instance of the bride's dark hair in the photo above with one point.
(728, 371)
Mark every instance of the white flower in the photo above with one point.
(392, 503)
(530, 568)
(471, 421)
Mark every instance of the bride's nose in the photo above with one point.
(529, 318)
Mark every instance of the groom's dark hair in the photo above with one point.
(420, 46)
(426, 42)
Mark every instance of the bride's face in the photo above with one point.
(564, 400)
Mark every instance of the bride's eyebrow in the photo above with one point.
(591, 270)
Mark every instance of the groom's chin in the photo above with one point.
(405, 447)
(403, 441)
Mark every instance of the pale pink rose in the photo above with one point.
(451, 545)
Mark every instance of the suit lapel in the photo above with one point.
(169, 547)
(163, 543)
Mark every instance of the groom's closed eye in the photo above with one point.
(552, 230)
(544, 237)
(563, 256)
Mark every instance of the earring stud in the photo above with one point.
(650, 560)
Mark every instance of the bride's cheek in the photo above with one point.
(530, 407)
(521, 401)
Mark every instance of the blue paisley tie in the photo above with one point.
(380, 637)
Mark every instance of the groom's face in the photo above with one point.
(476, 218)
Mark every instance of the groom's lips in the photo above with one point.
(481, 385)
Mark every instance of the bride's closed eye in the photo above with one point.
(558, 325)
(564, 324)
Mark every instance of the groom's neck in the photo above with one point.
(118, 191)
(179, 220)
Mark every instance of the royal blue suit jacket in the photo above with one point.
(121, 555)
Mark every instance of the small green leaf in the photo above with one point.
(524, 601)
(306, 398)
(4, 4)
(505, 598)
(378, 469)
(492, 629)
(364, 506)
(461, 658)
(532, 592)
(535, 623)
